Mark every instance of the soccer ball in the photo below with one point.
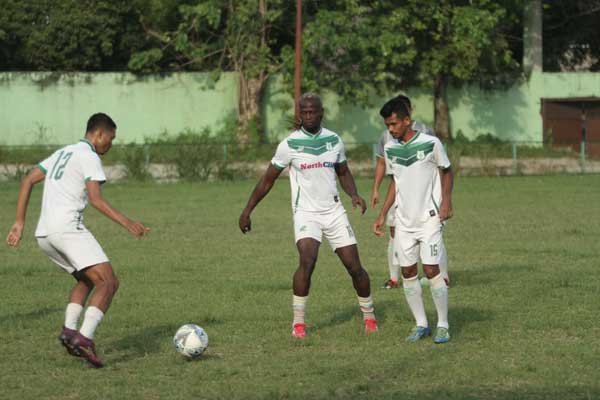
(190, 340)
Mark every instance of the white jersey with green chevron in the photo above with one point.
(64, 197)
(312, 159)
(414, 165)
(385, 137)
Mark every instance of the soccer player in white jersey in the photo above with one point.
(315, 156)
(380, 171)
(421, 191)
(72, 175)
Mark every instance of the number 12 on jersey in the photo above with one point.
(59, 166)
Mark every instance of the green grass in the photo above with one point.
(523, 303)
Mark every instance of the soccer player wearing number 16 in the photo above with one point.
(315, 157)
(72, 175)
(423, 201)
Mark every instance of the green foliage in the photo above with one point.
(210, 35)
(197, 156)
(358, 49)
(69, 35)
(571, 35)
(135, 160)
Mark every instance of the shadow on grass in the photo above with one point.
(143, 342)
(148, 341)
(489, 274)
(32, 315)
(461, 317)
(339, 317)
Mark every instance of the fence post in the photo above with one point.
(146, 155)
(514, 158)
(582, 151)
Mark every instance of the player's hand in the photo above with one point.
(446, 211)
(15, 234)
(245, 223)
(359, 201)
(374, 198)
(137, 229)
(377, 226)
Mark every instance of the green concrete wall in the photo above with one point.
(512, 114)
(53, 108)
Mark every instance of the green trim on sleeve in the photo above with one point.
(343, 162)
(89, 178)
(279, 167)
(41, 168)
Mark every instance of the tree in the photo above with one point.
(68, 35)
(571, 35)
(354, 49)
(221, 36)
(393, 44)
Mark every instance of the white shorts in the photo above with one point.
(390, 219)
(72, 251)
(335, 227)
(425, 243)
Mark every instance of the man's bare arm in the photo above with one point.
(347, 182)
(16, 231)
(379, 174)
(99, 202)
(262, 188)
(447, 181)
(390, 198)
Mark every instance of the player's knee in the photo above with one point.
(431, 271)
(308, 263)
(409, 272)
(357, 273)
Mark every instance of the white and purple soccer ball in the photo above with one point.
(190, 340)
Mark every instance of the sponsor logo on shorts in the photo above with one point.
(319, 164)
(303, 228)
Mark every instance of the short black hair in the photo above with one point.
(310, 97)
(100, 121)
(406, 101)
(397, 106)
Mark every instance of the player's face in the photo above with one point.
(105, 139)
(398, 127)
(311, 114)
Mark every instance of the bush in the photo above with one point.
(196, 156)
(134, 159)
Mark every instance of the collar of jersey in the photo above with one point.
(89, 144)
(411, 140)
(312, 135)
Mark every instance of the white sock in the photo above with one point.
(439, 293)
(366, 306)
(394, 268)
(72, 315)
(444, 262)
(91, 319)
(414, 298)
(298, 305)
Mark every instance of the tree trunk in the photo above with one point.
(441, 114)
(251, 90)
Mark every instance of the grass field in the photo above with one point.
(524, 301)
